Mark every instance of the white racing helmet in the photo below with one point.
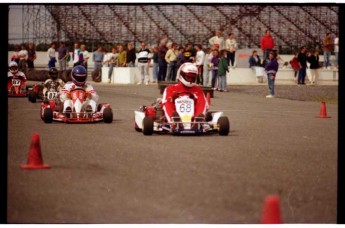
(187, 74)
(13, 67)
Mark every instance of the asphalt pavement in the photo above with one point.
(109, 173)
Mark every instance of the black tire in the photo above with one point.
(29, 96)
(33, 97)
(107, 115)
(48, 115)
(147, 126)
(224, 125)
(208, 116)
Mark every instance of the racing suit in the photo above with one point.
(51, 85)
(172, 92)
(67, 102)
(19, 75)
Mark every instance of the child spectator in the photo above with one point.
(313, 59)
(294, 64)
(223, 67)
(214, 62)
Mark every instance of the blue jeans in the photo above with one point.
(266, 52)
(326, 55)
(162, 71)
(214, 78)
(336, 58)
(111, 66)
(301, 74)
(222, 82)
(171, 72)
(270, 84)
(155, 71)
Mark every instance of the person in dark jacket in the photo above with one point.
(302, 62)
(254, 60)
(271, 69)
(313, 59)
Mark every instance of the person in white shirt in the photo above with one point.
(207, 65)
(111, 60)
(51, 55)
(199, 62)
(143, 63)
(336, 50)
(231, 47)
(77, 55)
(217, 39)
(86, 55)
(23, 56)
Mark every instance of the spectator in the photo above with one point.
(188, 54)
(15, 56)
(131, 55)
(294, 64)
(51, 55)
(121, 59)
(231, 46)
(105, 61)
(31, 56)
(86, 55)
(327, 49)
(23, 56)
(171, 59)
(313, 59)
(336, 51)
(256, 65)
(207, 66)
(77, 55)
(267, 44)
(215, 61)
(63, 54)
(218, 39)
(199, 62)
(271, 69)
(97, 58)
(112, 57)
(143, 63)
(155, 64)
(223, 67)
(302, 62)
(180, 57)
(162, 64)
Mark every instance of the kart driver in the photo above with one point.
(14, 73)
(53, 83)
(78, 75)
(187, 75)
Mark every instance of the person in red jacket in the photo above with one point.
(267, 44)
(187, 76)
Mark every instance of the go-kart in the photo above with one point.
(16, 87)
(150, 119)
(52, 109)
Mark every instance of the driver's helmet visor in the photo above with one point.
(190, 77)
(80, 77)
(13, 68)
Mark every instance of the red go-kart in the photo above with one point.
(16, 88)
(52, 110)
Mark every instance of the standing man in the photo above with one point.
(199, 62)
(267, 44)
(218, 39)
(51, 55)
(86, 55)
(62, 56)
(162, 64)
(171, 59)
(97, 58)
(112, 57)
(336, 50)
(122, 57)
(131, 55)
(31, 56)
(327, 49)
(77, 55)
(23, 55)
(302, 62)
(188, 53)
(143, 63)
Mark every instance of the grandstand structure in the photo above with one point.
(291, 25)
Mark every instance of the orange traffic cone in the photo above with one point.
(323, 112)
(271, 211)
(208, 97)
(35, 160)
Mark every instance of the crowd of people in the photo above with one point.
(213, 62)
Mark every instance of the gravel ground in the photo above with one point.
(329, 94)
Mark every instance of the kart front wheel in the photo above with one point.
(48, 115)
(223, 125)
(147, 126)
(32, 97)
(107, 115)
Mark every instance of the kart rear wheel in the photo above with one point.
(48, 115)
(224, 125)
(107, 115)
(33, 97)
(147, 126)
